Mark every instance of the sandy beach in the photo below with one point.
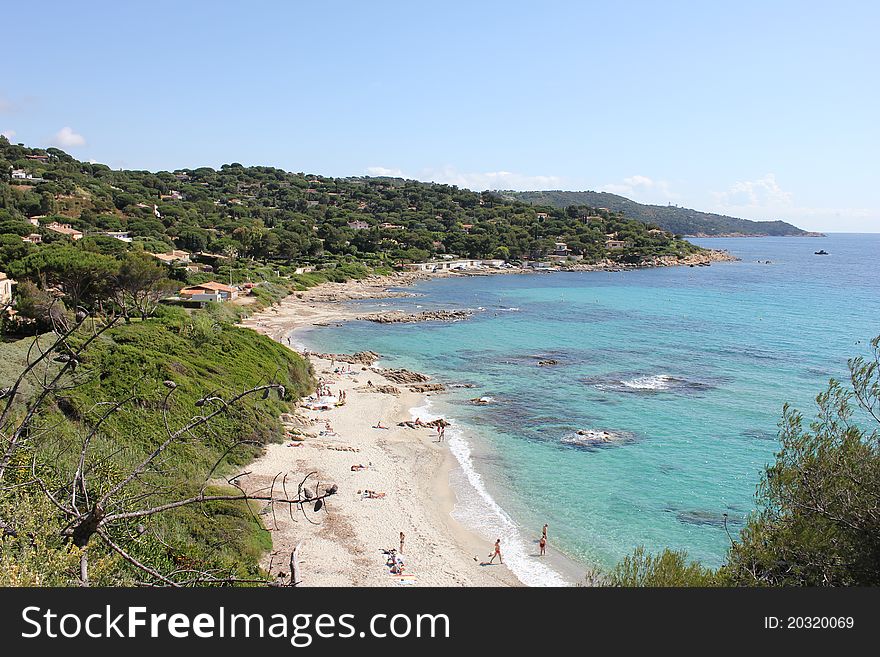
(410, 466)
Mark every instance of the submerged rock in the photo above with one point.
(598, 438)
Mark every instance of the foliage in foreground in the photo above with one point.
(669, 568)
(137, 362)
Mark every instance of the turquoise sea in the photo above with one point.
(687, 368)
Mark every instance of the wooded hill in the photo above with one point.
(270, 215)
(680, 221)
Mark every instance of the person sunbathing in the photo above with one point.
(373, 495)
(397, 566)
(379, 425)
(358, 467)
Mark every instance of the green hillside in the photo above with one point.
(201, 354)
(266, 215)
(680, 221)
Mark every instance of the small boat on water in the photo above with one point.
(820, 252)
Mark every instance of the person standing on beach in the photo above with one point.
(402, 538)
(496, 552)
(544, 532)
(543, 545)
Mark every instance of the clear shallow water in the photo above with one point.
(688, 367)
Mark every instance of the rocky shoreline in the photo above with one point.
(400, 317)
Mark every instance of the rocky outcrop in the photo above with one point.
(548, 362)
(384, 390)
(433, 424)
(700, 259)
(399, 317)
(427, 387)
(403, 377)
(598, 437)
(360, 358)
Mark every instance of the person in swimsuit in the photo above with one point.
(496, 552)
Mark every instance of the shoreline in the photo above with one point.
(345, 549)
(344, 545)
(350, 541)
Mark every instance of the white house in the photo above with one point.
(121, 235)
(6, 284)
(445, 265)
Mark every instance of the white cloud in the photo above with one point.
(382, 171)
(761, 193)
(764, 199)
(641, 188)
(67, 138)
(475, 181)
(9, 134)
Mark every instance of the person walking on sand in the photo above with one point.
(402, 538)
(496, 552)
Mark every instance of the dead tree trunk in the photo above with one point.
(84, 568)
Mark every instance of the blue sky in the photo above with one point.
(765, 110)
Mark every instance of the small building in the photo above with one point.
(173, 257)
(44, 157)
(613, 245)
(19, 174)
(121, 235)
(543, 215)
(445, 265)
(33, 238)
(6, 284)
(358, 225)
(65, 229)
(210, 289)
(561, 249)
(388, 226)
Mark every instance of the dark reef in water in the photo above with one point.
(704, 518)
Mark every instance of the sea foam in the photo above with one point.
(477, 509)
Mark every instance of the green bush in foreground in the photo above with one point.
(199, 355)
(669, 568)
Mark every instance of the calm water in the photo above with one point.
(688, 367)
